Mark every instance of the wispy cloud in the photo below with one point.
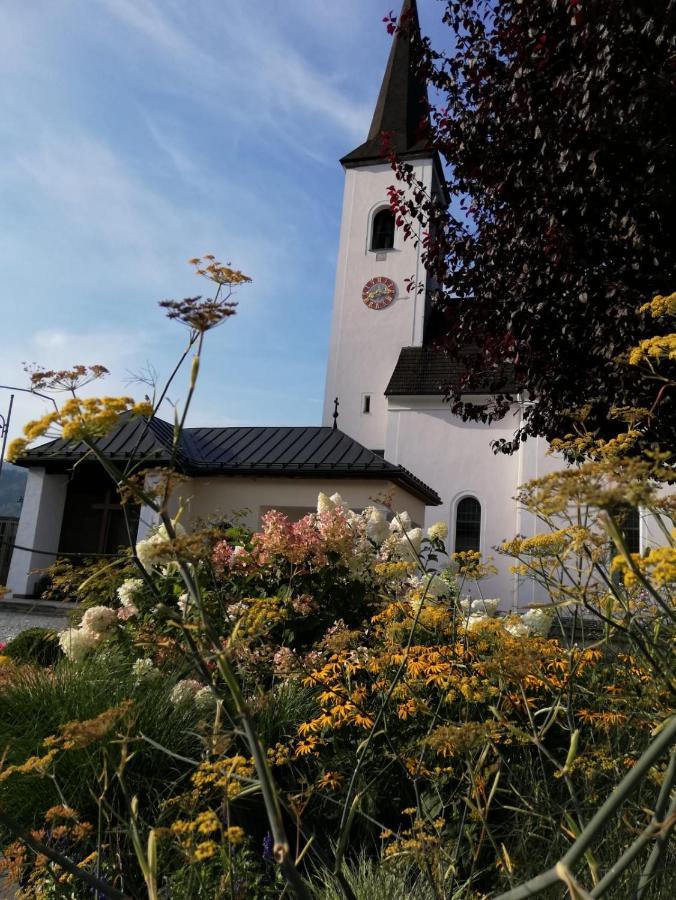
(138, 133)
(242, 50)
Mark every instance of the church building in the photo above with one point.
(397, 435)
(382, 367)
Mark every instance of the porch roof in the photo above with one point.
(309, 451)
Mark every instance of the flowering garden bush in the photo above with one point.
(466, 746)
(332, 708)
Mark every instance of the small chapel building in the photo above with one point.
(397, 436)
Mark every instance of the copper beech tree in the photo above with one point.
(557, 123)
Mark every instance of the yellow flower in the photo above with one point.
(363, 721)
(207, 822)
(234, 834)
(79, 419)
(16, 449)
(79, 734)
(660, 306)
(470, 565)
(60, 812)
(658, 566)
(34, 765)
(331, 780)
(205, 850)
(145, 408)
(659, 347)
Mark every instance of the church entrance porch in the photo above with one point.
(76, 514)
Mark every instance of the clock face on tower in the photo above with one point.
(379, 292)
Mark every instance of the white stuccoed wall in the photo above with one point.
(214, 495)
(456, 459)
(39, 528)
(365, 343)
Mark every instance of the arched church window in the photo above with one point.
(629, 519)
(468, 525)
(382, 233)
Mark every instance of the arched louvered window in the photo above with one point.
(382, 233)
(629, 520)
(468, 525)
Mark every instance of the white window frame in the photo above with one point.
(369, 231)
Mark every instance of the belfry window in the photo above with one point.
(468, 525)
(382, 233)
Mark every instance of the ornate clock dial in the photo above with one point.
(379, 292)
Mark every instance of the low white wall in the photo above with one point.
(219, 495)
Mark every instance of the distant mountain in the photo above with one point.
(12, 487)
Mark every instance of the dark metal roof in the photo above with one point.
(401, 111)
(146, 440)
(313, 451)
(421, 371)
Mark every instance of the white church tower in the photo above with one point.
(383, 367)
(373, 314)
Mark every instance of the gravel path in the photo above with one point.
(14, 621)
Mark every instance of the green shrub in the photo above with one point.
(36, 702)
(35, 645)
(69, 581)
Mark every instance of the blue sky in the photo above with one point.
(136, 134)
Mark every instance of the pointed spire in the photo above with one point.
(401, 110)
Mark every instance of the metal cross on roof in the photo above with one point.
(336, 404)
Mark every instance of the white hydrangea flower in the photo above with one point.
(538, 621)
(438, 531)
(353, 518)
(473, 620)
(142, 668)
(185, 690)
(377, 528)
(479, 606)
(409, 544)
(517, 629)
(76, 643)
(337, 500)
(485, 606)
(127, 591)
(150, 549)
(400, 523)
(324, 503)
(431, 585)
(98, 619)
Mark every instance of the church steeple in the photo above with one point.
(375, 312)
(401, 111)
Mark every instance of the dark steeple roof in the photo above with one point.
(401, 110)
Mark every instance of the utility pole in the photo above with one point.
(4, 429)
(5, 420)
